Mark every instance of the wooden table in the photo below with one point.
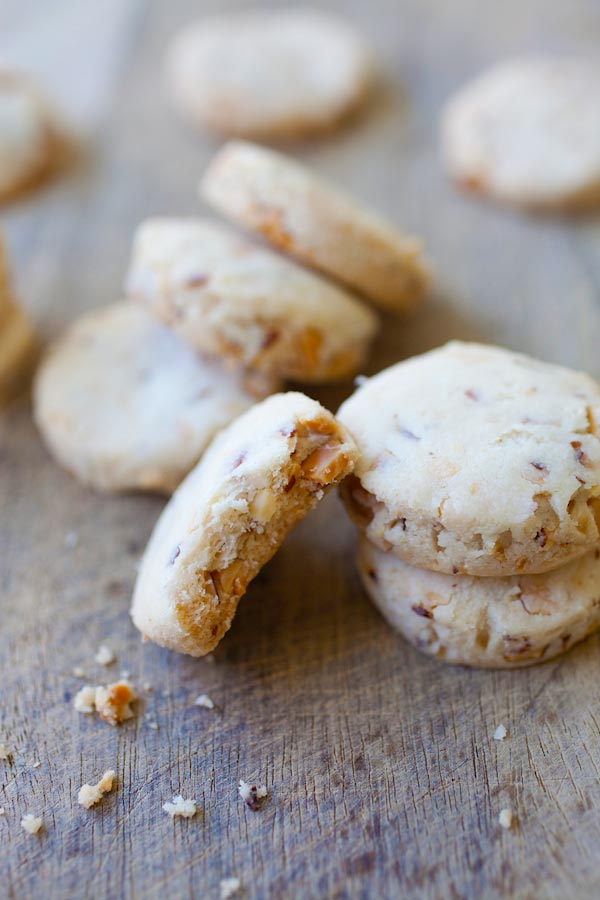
(384, 776)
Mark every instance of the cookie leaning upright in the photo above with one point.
(228, 296)
(321, 226)
(478, 461)
(257, 480)
(267, 73)
(528, 132)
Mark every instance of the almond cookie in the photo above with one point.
(528, 132)
(19, 346)
(123, 403)
(304, 216)
(476, 460)
(257, 480)
(496, 623)
(267, 74)
(30, 138)
(228, 296)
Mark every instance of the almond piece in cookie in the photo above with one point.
(259, 478)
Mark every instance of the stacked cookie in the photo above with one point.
(133, 394)
(477, 495)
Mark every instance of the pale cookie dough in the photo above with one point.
(125, 404)
(305, 216)
(31, 140)
(259, 478)
(228, 296)
(19, 346)
(528, 132)
(267, 74)
(476, 460)
(487, 622)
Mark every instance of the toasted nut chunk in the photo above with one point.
(263, 505)
(230, 580)
(325, 464)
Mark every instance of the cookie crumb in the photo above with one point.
(181, 807)
(500, 733)
(36, 764)
(105, 656)
(505, 818)
(111, 702)
(205, 701)
(2, 811)
(78, 672)
(71, 540)
(90, 794)
(5, 754)
(252, 795)
(147, 687)
(229, 887)
(85, 699)
(32, 824)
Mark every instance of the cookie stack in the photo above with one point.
(133, 394)
(477, 496)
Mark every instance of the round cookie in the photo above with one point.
(257, 480)
(30, 139)
(493, 623)
(528, 132)
(476, 460)
(267, 74)
(123, 403)
(228, 296)
(303, 215)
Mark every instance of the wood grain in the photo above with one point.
(385, 780)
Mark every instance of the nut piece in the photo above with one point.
(263, 505)
(90, 794)
(113, 702)
(325, 464)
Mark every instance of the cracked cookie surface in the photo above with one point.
(476, 460)
(258, 479)
(228, 296)
(303, 215)
(486, 622)
(125, 404)
(528, 132)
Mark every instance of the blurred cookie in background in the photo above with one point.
(33, 142)
(268, 73)
(527, 132)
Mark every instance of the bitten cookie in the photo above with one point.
(228, 296)
(478, 461)
(31, 142)
(304, 216)
(124, 404)
(267, 74)
(492, 623)
(19, 346)
(528, 132)
(259, 477)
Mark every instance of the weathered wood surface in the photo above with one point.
(384, 778)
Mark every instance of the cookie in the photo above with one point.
(528, 132)
(258, 479)
(303, 215)
(19, 346)
(491, 623)
(476, 460)
(228, 296)
(31, 142)
(267, 74)
(124, 403)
